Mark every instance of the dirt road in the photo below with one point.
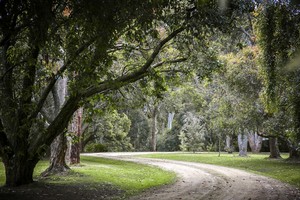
(203, 181)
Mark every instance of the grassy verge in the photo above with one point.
(130, 177)
(283, 170)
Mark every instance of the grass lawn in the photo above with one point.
(282, 169)
(130, 177)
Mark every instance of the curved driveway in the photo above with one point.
(204, 181)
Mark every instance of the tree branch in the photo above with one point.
(56, 127)
(142, 72)
(169, 62)
(56, 76)
(159, 47)
(72, 104)
(248, 36)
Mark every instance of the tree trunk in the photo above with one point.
(154, 128)
(58, 155)
(82, 139)
(19, 170)
(294, 154)
(293, 149)
(274, 150)
(219, 145)
(243, 143)
(170, 120)
(75, 129)
(229, 147)
(255, 141)
(58, 147)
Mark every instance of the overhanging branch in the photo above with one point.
(56, 76)
(142, 72)
(169, 62)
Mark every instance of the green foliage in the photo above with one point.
(94, 147)
(278, 36)
(192, 133)
(169, 141)
(110, 130)
(139, 130)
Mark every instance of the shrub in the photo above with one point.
(96, 147)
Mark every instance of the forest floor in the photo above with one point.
(204, 181)
(195, 181)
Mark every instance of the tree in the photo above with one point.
(58, 147)
(28, 29)
(75, 132)
(86, 35)
(192, 133)
(139, 130)
(279, 42)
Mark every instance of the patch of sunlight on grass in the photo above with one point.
(280, 169)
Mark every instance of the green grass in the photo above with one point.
(282, 169)
(128, 176)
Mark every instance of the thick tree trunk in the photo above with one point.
(255, 142)
(19, 170)
(75, 128)
(58, 155)
(243, 143)
(75, 154)
(154, 128)
(274, 150)
(59, 145)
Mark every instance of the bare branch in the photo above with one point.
(248, 36)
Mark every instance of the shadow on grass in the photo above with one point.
(50, 191)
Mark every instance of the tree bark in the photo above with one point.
(294, 154)
(58, 147)
(229, 147)
(58, 156)
(19, 170)
(170, 120)
(243, 143)
(75, 129)
(255, 142)
(274, 150)
(154, 128)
